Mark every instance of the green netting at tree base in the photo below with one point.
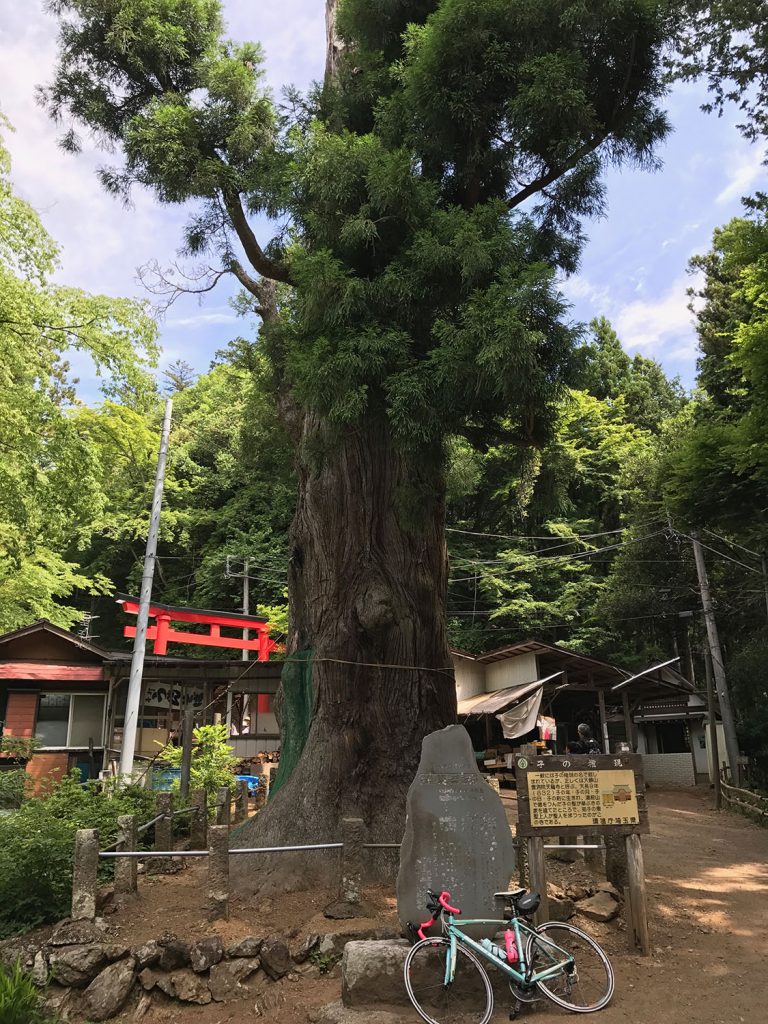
(298, 702)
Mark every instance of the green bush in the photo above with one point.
(21, 1001)
(37, 844)
(13, 787)
(213, 760)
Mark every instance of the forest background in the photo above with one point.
(584, 541)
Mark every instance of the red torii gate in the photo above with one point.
(163, 633)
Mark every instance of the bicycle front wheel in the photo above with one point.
(582, 986)
(468, 999)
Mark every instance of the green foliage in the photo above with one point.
(724, 42)
(213, 761)
(21, 1001)
(37, 844)
(50, 500)
(13, 787)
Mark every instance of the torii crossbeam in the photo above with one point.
(163, 632)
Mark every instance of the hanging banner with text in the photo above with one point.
(581, 795)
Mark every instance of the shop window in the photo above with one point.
(70, 719)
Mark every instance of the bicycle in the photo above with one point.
(444, 974)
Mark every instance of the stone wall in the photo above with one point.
(669, 769)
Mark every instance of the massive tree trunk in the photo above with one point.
(367, 594)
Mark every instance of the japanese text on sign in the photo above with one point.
(582, 798)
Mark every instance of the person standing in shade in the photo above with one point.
(587, 740)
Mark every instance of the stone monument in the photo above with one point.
(457, 837)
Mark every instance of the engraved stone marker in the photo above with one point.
(457, 836)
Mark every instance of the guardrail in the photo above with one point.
(211, 842)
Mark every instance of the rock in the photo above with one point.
(174, 953)
(143, 1006)
(275, 958)
(78, 933)
(165, 984)
(40, 969)
(226, 978)
(148, 979)
(148, 954)
(190, 987)
(268, 1002)
(249, 946)
(305, 949)
(342, 911)
(106, 995)
(115, 952)
(600, 907)
(334, 942)
(457, 836)
(372, 972)
(76, 966)
(607, 887)
(205, 953)
(561, 909)
(577, 891)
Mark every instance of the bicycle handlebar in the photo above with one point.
(437, 905)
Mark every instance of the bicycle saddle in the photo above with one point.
(526, 903)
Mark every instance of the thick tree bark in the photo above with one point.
(367, 593)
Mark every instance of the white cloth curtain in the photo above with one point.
(522, 717)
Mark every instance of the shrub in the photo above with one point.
(213, 760)
(13, 787)
(21, 1001)
(37, 844)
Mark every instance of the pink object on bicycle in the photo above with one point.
(443, 901)
(509, 942)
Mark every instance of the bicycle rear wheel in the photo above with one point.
(467, 1000)
(584, 986)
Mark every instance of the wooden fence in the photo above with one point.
(745, 800)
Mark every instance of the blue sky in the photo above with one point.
(633, 268)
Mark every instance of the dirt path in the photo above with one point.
(707, 877)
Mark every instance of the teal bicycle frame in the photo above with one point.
(521, 976)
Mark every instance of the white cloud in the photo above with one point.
(203, 320)
(744, 168)
(581, 288)
(662, 328)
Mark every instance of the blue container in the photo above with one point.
(252, 780)
(164, 778)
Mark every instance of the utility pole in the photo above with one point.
(246, 632)
(718, 666)
(137, 661)
(712, 727)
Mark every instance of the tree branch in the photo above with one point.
(540, 183)
(256, 255)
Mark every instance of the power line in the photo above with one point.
(725, 540)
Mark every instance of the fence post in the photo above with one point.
(537, 876)
(198, 826)
(353, 837)
(218, 872)
(85, 874)
(163, 834)
(260, 796)
(638, 906)
(125, 867)
(241, 800)
(224, 806)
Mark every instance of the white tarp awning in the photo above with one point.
(520, 719)
(492, 703)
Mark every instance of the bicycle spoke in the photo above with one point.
(466, 1000)
(583, 986)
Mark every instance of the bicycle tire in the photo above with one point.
(469, 986)
(591, 962)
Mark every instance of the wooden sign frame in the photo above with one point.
(524, 766)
